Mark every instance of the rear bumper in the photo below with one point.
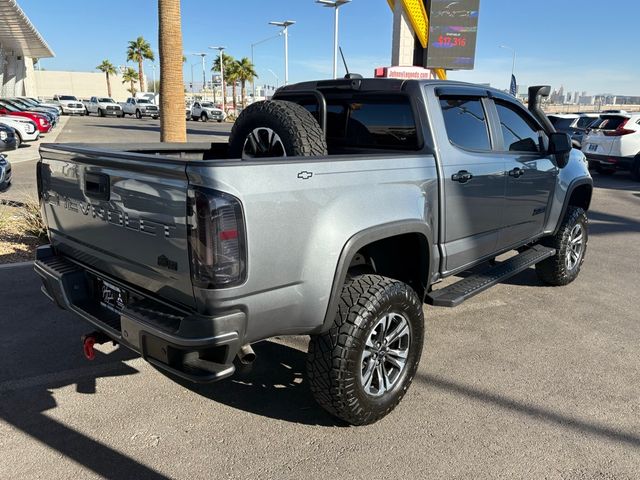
(607, 161)
(192, 346)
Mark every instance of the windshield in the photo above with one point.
(142, 100)
(68, 97)
(9, 107)
(208, 105)
(28, 101)
(106, 100)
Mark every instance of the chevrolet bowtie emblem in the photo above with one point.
(305, 175)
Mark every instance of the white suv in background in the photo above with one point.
(613, 143)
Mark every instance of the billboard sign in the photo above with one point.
(453, 31)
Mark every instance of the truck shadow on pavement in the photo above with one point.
(534, 412)
(274, 386)
(604, 223)
(41, 353)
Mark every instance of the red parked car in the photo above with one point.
(43, 124)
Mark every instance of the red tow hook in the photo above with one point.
(89, 340)
(87, 347)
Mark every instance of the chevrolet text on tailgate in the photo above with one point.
(334, 211)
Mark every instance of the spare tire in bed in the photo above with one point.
(276, 128)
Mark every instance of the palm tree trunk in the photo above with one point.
(234, 93)
(108, 85)
(173, 126)
(141, 74)
(243, 93)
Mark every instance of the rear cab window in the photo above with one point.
(466, 123)
(368, 121)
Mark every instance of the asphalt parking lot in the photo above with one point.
(523, 381)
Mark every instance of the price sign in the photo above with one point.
(453, 29)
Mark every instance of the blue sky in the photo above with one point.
(580, 45)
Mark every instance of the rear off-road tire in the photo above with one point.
(360, 341)
(276, 128)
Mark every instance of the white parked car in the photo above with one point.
(206, 111)
(26, 129)
(613, 143)
(140, 107)
(70, 105)
(103, 106)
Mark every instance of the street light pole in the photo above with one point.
(335, 4)
(224, 93)
(277, 78)
(285, 31)
(153, 65)
(204, 73)
(253, 45)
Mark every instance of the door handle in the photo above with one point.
(96, 185)
(516, 172)
(462, 176)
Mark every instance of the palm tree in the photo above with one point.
(232, 75)
(138, 51)
(227, 62)
(246, 73)
(108, 69)
(130, 76)
(173, 126)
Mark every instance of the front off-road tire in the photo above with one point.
(276, 128)
(372, 308)
(570, 242)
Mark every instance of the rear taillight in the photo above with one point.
(217, 240)
(620, 131)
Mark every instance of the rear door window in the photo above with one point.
(466, 123)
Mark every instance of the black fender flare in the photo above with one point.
(362, 239)
(572, 187)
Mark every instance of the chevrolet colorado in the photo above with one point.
(334, 211)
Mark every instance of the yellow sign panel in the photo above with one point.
(420, 23)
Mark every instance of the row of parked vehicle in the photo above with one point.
(22, 120)
(106, 106)
(610, 140)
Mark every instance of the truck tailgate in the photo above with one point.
(122, 214)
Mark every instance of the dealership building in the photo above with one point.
(20, 45)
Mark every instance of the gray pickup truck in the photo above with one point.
(334, 211)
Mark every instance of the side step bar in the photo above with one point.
(455, 294)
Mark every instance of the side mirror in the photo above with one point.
(560, 145)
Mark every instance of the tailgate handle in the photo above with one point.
(96, 185)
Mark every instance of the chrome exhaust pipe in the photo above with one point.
(246, 355)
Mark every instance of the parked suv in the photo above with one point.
(334, 210)
(613, 143)
(575, 124)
